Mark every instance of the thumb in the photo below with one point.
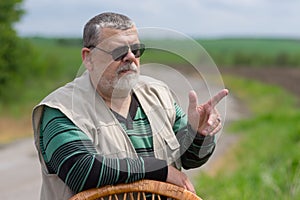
(193, 100)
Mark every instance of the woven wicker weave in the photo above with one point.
(137, 191)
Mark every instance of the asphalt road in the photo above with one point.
(20, 170)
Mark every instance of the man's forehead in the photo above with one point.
(110, 35)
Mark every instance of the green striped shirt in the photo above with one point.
(70, 154)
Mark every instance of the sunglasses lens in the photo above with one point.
(119, 53)
(137, 49)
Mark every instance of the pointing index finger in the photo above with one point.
(218, 97)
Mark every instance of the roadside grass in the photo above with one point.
(266, 160)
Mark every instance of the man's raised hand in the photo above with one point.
(204, 118)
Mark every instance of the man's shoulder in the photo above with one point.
(151, 82)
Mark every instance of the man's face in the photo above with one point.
(115, 78)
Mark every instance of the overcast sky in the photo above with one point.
(199, 18)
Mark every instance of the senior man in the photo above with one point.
(111, 125)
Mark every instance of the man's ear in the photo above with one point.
(86, 58)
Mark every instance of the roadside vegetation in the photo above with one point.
(265, 163)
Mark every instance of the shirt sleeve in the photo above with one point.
(195, 149)
(70, 154)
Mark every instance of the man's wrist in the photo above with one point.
(155, 169)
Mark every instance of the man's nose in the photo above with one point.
(130, 57)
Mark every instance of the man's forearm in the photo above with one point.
(196, 148)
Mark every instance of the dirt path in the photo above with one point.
(12, 128)
(288, 78)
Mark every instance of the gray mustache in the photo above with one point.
(128, 67)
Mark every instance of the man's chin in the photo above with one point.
(125, 85)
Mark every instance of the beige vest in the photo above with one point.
(87, 110)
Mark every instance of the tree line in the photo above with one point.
(17, 55)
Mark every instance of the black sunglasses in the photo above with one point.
(119, 53)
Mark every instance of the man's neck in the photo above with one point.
(119, 105)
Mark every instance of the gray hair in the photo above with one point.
(93, 27)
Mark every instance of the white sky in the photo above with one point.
(200, 18)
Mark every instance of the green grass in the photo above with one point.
(253, 52)
(266, 161)
(62, 55)
(269, 47)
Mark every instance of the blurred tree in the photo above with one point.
(15, 52)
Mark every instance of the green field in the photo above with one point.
(62, 59)
(254, 52)
(225, 52)
(244, 52)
